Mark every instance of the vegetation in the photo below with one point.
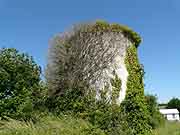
(156, 119)
(174, 103)
(102, 26)
(19, 84)
(101, 113)
(64, 104)
(134, 104)
(79, 56)
(64, 125)
(116, 84)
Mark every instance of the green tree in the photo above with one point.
(174, 103)
(19, 83)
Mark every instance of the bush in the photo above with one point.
(100, 113)
(19, 82)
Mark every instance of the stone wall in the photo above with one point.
(115, 41)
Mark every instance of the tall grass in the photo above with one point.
(170, 128)
(50, 125)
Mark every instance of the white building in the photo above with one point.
(170, 114)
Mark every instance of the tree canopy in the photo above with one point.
(19, 79)
(174, 103)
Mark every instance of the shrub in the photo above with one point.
(19, 81)
(100, 113)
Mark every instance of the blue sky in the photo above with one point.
(28, 25)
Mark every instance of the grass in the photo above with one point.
(50, 125)
(170, 128)
(67, 125)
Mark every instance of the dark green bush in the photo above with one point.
(19, 82)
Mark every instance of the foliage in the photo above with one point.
(174, 103)
(50, 125)
(73, 63)
(70, 102)
(156, 119)
(19, 81)
(134, 104)
(108, 117)
(78, 57)
(116, 84)
(100, 113)
(40, 97)
(102, 26)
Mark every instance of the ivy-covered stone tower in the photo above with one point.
(101, 57)
(96, 55)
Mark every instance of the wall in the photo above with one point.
(91, 56)
(117, 65)
(172, 117)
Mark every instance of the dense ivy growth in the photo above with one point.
(116, 87)
(102, 114)
(102, 26)
(134, 104)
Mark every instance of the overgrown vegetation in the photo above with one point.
(79, 56)
(105, 116)
(65, 104)
(50, 125)
(102, 26)
(156, 119)
(116, 84)
(134, 103)
(19, 84)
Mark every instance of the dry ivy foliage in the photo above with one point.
(78, 58)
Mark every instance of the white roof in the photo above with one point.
(169, 111)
